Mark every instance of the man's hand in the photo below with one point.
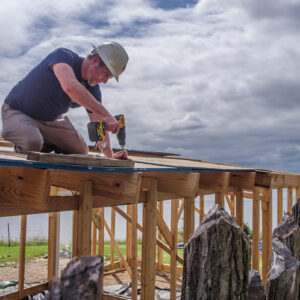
(122, 155)
(112, 124)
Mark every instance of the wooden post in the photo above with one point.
(240, 208)
(255, 231)
(75, 233)
(201, 207)
(53, 245)
(279, 205)
(232, 206)
(128, 235)
(160, 237)
(298, 190)
(266, 232)
(290, 199)
(219, 198)
(94, 240)
(113, 231)
(101, 232)
(85, 218)
(149, 243)
(22, 256)
(174, 231)
(134, 251)
(189, 217)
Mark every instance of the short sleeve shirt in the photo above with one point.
(40, 95)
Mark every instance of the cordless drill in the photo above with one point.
(97, 131)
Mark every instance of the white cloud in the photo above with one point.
(216, 81)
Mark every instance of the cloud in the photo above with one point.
(211, 80)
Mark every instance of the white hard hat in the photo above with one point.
(114, 56)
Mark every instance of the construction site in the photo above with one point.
(85, 184)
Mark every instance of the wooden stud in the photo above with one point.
(240, 208)
(266, 232)
(113, 230)
(85, 218)
(232, 207)
(101, 231)
(94, 239)
(160, 250)
(128, 235)
(149, 244)
(279, 205)
(255, 230)
(219, 198)
(75, 233)
(189, 218)
(201, 207)
(290, 199)
(298, 189)
(134, 252)
(53, 245)
(22, 257)
(174, 232)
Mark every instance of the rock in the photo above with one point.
(216, 259)
(256, 289)
(288, 232)
(284, 275)
(296, 212)
(80, 280)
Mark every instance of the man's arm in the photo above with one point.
(78, 93)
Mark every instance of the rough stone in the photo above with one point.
(256, 287)
(216, 259)
(284, 275)
(80, 280)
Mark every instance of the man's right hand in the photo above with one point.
(112, 124)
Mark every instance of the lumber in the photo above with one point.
(240, 208)
(22, 257)
(189, 217)
(75, 233)
(290, 199)
(214, 181)
(219, 198)
(174, 232)
(113, 232)
(79, 159)
(255, 231)
(84, 218)
(279, 205)
(201, 207)
(160, 236)
(100, 214)
(134, 252)
(53, 245)
(149, 244)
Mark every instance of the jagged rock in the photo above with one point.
(80, 280)
(256, 287)
(216, 259)
(288, 232)
(296, 212)
(284, 275)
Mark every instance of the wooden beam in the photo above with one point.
(164, 229)
(160, 250)
(201, 207)
(128, 235)
(181, 184)
(26, 292)
(110, 189)
(85, 218)
(24, 186)
(113, 231)
(283, 180)
(100, 213)
(214, 181)
(189, 218)
(148, 244)
(279, 205)
(242, 180)
(255, 230)
(266, 232)
(22, 257)
(75, 233)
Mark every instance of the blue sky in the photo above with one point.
(213, 80)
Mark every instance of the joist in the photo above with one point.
(214, 181)
(241, 180)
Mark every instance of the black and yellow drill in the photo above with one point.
(97, 131)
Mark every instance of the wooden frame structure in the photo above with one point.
(28, 188)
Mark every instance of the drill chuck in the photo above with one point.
(121, 134)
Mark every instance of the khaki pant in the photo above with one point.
(29, 135)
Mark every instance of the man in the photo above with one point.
(32, 113)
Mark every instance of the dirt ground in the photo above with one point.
(36, 272)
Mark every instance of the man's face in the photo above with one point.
(96, 74)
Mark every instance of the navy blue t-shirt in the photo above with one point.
(40, 95)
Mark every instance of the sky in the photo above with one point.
(212, 80)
